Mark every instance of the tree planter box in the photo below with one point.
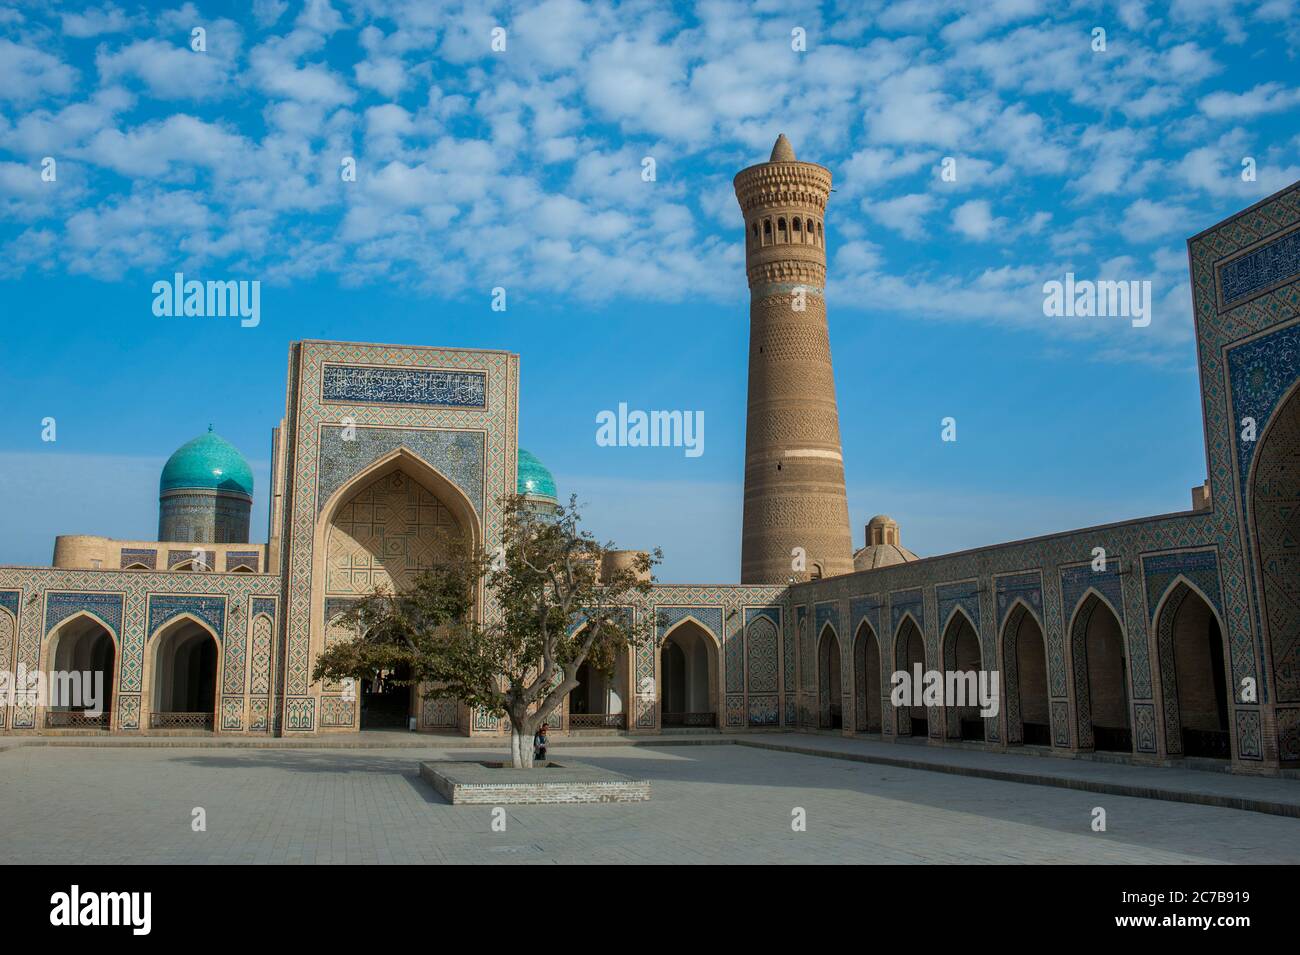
(465, 782)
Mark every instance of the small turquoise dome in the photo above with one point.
(534, 479)
(209, 462)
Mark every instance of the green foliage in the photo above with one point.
(508, 630)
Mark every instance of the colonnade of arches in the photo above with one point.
(689, 667)
(1190, 665)
(180, 675)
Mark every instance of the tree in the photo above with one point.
(550, 604)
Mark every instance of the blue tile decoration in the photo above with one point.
(457, 455)
(242, 558)
(735, 709)
(789, 675)
(177, 557)
(670, 617)
(1161, 570)
(761, 644)
(824, 613)
(59, 606)
(139, 555)
(1075, 582)
(1027, 587)
(264, 605)
(906, 601)
(300, 713)
(1144, 727)
(165, 607)
(1260, 372)
(1248, 735)
(734, 654)
(9, 600)
(1266, 267)
(361, 384)
(763, 710)
(1060, 723)
(868, 609)
(964, 595)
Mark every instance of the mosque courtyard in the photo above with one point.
(711, 804)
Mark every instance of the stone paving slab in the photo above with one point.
(712, 804)
(1227, 790)
(1272, 795)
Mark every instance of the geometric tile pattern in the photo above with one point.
(1027, 587)
(726, 612)
(420, 386)
(764, 664)
(963, 595)
(260, 655)
(1010, 671)
(1266, 266)
(119, 597)
(1161, 570)
(386, 534)
(494, 418)
(763, 710)
(458, 455)
(206, 558)
(1261, 372)
(824, 613)
(1144, 727)
(242, 560)
(148, 558)
(1075, 582)
(910, 601)
(789, 667)
(1274, 529)
(107, 607)
(865, 608)
(211, 610)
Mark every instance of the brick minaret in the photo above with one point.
(794, 472)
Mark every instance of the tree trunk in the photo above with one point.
(521, 748)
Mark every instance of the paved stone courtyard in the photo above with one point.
(711, 804)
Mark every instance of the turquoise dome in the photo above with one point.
(209, 462)
(534, 479)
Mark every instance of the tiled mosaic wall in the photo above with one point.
(1244, 277)
(455, 410)
(134, 606)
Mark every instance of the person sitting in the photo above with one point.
(539, 743)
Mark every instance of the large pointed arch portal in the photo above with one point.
(382, 527)
(1274, 502)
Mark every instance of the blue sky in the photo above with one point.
(522, 169)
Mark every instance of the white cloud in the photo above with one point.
(975, 220)
(476, 167)
(150, 151)
(385, 74)
(915, 107)
(95, 21)
(904, 214)
(174, 71)
(1146, 220)
(27, 74)
(1264, 98)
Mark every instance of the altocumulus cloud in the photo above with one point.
(524, 167)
